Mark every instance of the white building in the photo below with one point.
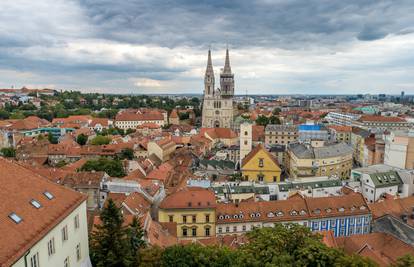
(377, 180)
(310, 187)
(399, 149)
(346, 119)
(42, 223)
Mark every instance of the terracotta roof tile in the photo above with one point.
(19, 185)
(188, 198)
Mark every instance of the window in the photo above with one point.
(184, 219)
(48, 195)
(246, 133)
(261, 163)
(194, 231)
(184, 231)
(66, 262)
(16, 218)
(227, 229)
(274, 179)
(51, 247)
(207, 231)
(260, 177)
(235, 228)
(34, 260)
(194, 218)
(65, 233)
(76, 221)
(220, 230)
(244, 227)
(35, 204)
(78, 252)
(207, 218)
(171, 218)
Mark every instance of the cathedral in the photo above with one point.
(218, 103)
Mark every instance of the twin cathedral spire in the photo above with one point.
(226, 79)
(218, 102)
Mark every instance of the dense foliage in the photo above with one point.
(82, 139)
(112, 244)
(112, 167)
(100, 140)
(8, 152)
(263, 120)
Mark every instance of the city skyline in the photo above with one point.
(277, 47)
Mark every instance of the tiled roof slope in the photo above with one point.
(18, 186)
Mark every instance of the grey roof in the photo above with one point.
(277, 148)
(384, 179)
(329, 150)
(280, 128)
(393, 226)
(242, 189)
(304, 185)
(222, 164)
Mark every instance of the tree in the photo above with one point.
(8, 152)
(4, 114)
(108, 246)
(52, 139)
(130, 131)
(112, 167)
(127, 153)
(262, 120)
(274, 120)
(150, 256)
(81, 139)
(135, 236)
(276, 111)
(405, 261)
(100, 140)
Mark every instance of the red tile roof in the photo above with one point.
(372, 118)
(382, 248)
(19, 186)
(190, 198)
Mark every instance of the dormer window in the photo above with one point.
(341, 209)
(35, 204)
(270, 215)
(252, 215)
(302, 212)
(317, 211)
(235, 216)
(261, 164)
(328, 210)
(257, 214)
(293, 213)
(362, 208)
(279, 214)
(221, 217)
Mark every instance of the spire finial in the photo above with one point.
(227, 68)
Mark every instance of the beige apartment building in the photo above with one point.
(399, 149)
(280, 134)
(319, 159)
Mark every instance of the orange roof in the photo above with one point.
(383, 248)
(148, 115)
(136, 203)
(149, 125)
(381, 118)
(215, 133)
(19, 185)
(102, 121)
(292, 209)
(395, 207)
(258, 132)
(190, 198)
(173, 114)
(255, 151)
(161, 173)
(341, 128)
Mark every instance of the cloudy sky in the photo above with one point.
(151, 46)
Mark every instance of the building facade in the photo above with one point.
(218, 103)
(280, 134)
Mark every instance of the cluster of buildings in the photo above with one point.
(339, 167)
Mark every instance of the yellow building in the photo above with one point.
(261, 166)
(320, 159)
(358, 136)
(192, 210)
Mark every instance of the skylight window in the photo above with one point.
(35, 204)
(15, 217)
(48, 195)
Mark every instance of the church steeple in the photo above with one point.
(209, 76)
(227, 68)
(227, 78)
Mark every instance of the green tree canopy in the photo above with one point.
(100, 140)
(8, 152)
(112, 167)
(82, 139)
